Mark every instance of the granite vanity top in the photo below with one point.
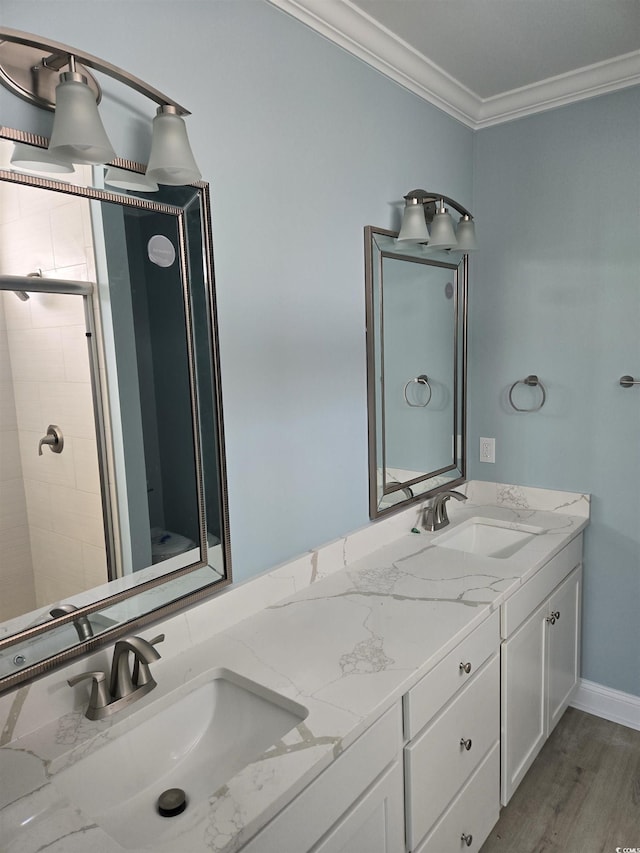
(347, 647)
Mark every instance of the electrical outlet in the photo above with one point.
(487, 450)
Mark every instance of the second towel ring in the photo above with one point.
(423, 379)
(533, 381)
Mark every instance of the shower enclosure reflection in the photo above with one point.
(53, 540)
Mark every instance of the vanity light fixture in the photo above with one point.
(54, 76)
(423, 209)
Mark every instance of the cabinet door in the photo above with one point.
(564, 646)
(325, 803)
(523, 700)
(375, 824)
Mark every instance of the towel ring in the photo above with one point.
(423, 379)
(533, 381)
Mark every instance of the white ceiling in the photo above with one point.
(488, 61)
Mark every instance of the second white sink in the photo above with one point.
(488, 537)
(196, 742)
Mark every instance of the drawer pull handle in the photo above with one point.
(465, 743)
(465, 667)
(466, 839)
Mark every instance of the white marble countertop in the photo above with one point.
(346, 647)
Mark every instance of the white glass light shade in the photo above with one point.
(466, 234)
(442, 234)
(414, 225)
(171, 160)
(33, 159)
(126, 180)
(78, 135)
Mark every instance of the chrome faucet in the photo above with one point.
(126, 684)
(125, 681)
(80, 623)
(435, 515)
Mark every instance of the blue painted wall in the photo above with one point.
(556, 291)
(303, 145)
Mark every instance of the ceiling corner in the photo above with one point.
(352, 29)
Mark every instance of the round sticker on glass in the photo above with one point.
(161, 251)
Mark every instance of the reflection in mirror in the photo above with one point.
(416, 367)
(112, 483)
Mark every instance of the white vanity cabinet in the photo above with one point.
(452, 728)
(540, 661)
(355, 806)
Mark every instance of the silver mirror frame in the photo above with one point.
(180, 601)
(460, 345)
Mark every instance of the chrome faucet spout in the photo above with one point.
(435, 515)
(80, 623)
(123, 683)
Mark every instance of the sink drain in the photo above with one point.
(172, 802)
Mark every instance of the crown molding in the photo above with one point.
(598, 79)
(352, 29)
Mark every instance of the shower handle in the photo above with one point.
(53, 439)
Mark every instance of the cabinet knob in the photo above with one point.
(466, 839)
(551, 619)
(466, 743)
(556, 614)
(465, 667)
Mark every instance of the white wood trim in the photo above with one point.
(614, 705)
(352, 29)
(578, 85)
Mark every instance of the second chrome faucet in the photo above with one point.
(127, 683)
(435, 515)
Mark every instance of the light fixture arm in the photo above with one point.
(425, 197)
(58, 55)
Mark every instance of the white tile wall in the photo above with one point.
(45, 370)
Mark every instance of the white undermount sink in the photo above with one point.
(488, 537)
(197, 742)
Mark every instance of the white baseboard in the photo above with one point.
(614, 705)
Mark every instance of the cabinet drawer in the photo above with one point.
(473, 813)
(428, 696)
(437, 764)
(523, 602)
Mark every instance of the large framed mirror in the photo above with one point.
(112, 478)
(416, 302)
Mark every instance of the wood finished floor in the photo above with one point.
(581, 795)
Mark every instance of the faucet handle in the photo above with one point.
(99, 697)
(141, 673)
